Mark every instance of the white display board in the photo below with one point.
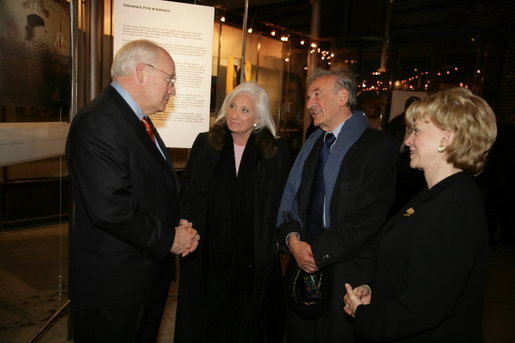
(25, 142)
(186, 32)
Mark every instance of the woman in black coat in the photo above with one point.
(431, 268)
(231, 191)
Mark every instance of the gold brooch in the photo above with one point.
(409, 212)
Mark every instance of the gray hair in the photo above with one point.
(132, 53)
(262, 103)
(344, 80)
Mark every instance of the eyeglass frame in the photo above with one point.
(172, 79)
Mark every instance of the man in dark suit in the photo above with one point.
(357, 190)
(126, 226)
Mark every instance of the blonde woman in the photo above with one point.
(429, 281)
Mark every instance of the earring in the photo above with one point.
(440, 148)
(255, 125)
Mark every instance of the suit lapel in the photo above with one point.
(351, 152)
(304, 193)
(165, 152)
(407, 212)
(132, 119)
(161, 144)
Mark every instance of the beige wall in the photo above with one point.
(23, 142)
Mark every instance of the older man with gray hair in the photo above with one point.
(126, 226)
(336, 199)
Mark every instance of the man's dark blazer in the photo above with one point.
(361, 199)
(126, 208)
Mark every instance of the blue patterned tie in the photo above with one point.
(315, 218)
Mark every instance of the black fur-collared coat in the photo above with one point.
(229, 288)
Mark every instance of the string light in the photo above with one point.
(299, 42)
(414, 82)
(286, 35)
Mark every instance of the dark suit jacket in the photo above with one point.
(126, 208)
(431, 269)
(362, 196)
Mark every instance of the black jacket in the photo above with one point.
(361, 199)
(126, 208)
(430, 276)
(266, 177)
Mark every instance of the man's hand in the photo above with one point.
(186, 238)
(302, 253)
(195, 237)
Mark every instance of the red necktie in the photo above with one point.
(148, 128)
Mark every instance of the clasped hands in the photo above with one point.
(186, 238)
(361, 295)
(301, 251)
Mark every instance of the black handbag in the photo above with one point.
(307, 293)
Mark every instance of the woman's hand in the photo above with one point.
(361, 295)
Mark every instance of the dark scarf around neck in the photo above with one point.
(350, 132)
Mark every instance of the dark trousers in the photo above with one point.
(334, 326)
(330, 328)
(128, 325)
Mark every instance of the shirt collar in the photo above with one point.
(128, 99)
(337, 130)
